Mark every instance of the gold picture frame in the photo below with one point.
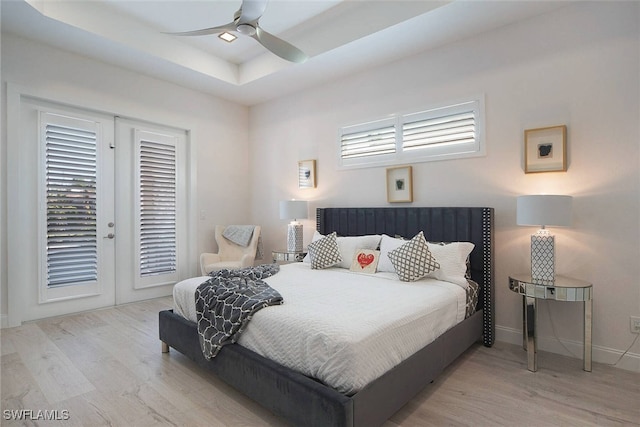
(545, 149)
(399, 184)
(307, 174)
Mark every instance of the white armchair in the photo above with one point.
(230, 255)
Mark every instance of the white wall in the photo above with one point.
(577, 66)
(218, 128)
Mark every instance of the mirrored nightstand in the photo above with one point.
(561, 289)
(284, 256)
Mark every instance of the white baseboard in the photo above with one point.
(4, 322)
(605, 355)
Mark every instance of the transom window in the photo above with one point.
(449, 132)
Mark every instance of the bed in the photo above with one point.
(303, 400)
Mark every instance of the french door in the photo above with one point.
(151, 202)
(98, 215)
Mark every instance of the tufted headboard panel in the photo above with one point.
(450, 224)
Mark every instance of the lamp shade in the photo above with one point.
(293, 209)
(543, 210)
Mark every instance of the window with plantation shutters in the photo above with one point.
(156, 204)
(70, 185)
(449, 132)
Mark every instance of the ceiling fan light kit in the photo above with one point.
(245, 22)
(227, 36)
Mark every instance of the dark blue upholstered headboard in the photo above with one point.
(455, 224)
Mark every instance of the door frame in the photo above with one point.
(16, 244)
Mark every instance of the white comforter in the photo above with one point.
(345, 329)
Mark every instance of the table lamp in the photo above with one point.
(543, 210)
(294, 210)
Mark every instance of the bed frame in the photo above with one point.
(304, 401)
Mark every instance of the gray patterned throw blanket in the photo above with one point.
(239, 234)
(228, 300)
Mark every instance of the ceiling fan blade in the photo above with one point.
(206, 31)
(279, 47)
(251, 10)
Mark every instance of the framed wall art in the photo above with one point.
(399, 184)
(307, 174)
(545, 149)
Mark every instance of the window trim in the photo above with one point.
(419, 155)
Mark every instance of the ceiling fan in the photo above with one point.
(245, 21)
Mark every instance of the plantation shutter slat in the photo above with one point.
(71, 188)
(441, 130)
(378, 139)
(157, 182)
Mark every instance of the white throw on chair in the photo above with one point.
(230, 255)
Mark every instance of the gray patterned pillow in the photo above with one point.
(413, 260)
(324, 252)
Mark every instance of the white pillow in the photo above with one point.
(387, 244)
(348, 246)
(316, 236)
(452, 258)
(351, 244)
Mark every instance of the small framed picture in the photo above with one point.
(307, 174)
(399, 185)
(545, 149)
(365, 261)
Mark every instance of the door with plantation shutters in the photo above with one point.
(65, 213)
(76, 206)
(150, 248)
(98, 211)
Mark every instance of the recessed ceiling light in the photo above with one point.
(228, 37)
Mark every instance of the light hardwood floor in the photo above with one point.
(106, 369)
